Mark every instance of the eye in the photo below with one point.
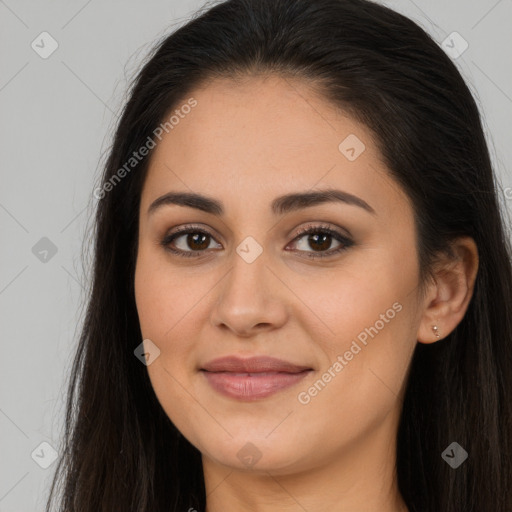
(320, 240)
(191, 241)
(188, 241)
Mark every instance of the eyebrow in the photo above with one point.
(280, 205)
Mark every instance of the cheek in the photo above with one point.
(358, 388)
(163, 295)
(172, 307)
(366, 335)
(167, 317)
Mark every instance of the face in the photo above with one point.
(327, 283)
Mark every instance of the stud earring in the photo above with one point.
(436, 331)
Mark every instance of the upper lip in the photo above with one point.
(256, 364)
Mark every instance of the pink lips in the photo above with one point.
(252, 378)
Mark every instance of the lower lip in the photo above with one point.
(244, 386)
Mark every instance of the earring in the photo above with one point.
(436, 331)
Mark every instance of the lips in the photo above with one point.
(252, 378)
(256, 364)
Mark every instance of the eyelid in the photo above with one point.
(187, 228)
(325, 227)
(319, 225)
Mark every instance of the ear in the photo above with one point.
(448, 295)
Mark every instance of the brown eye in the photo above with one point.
(317, 241)
(197, 241)
(320, 242)
(188, 242)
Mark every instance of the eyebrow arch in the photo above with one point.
(280, 205)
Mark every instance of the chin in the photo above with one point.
(255, 454)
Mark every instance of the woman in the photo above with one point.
(302, 284)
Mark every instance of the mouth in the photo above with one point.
(253, 378)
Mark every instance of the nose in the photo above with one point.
(251, 299)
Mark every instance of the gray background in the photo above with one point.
(57, 116)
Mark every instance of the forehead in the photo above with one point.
(266, 136)
(262, 120)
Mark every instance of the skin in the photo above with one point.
(244, 144)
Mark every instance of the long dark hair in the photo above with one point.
(120, 451)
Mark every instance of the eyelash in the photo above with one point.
(312, 229)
